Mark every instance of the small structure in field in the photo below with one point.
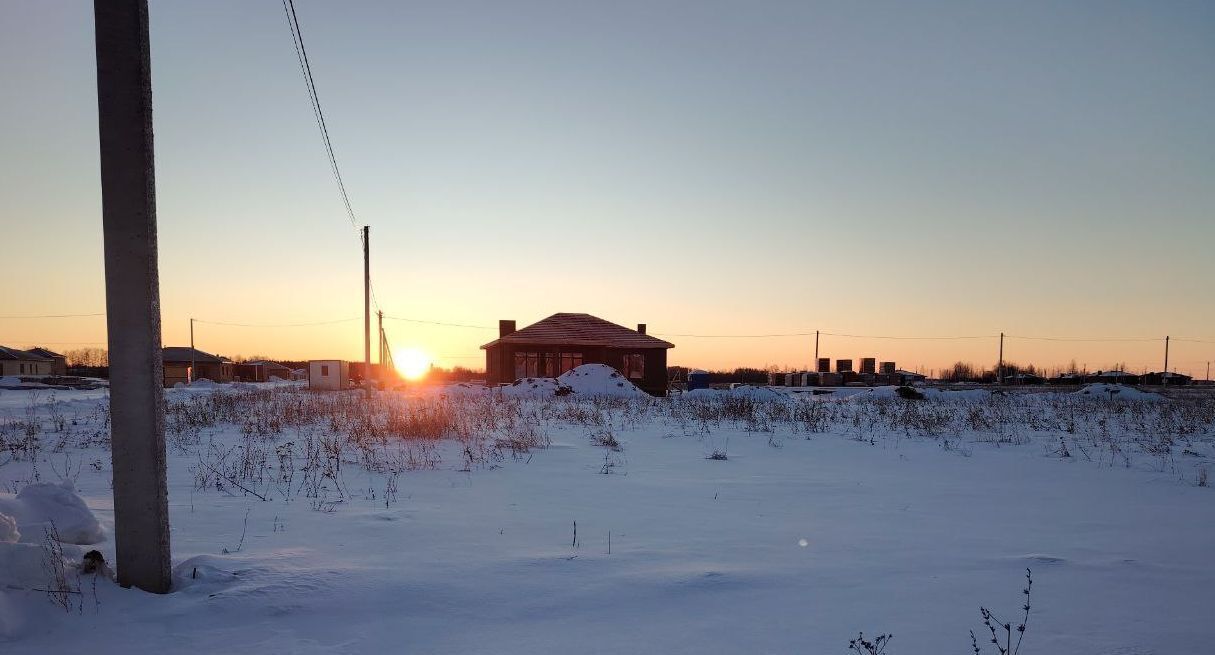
(14, 361)
(179, 359)
(561, 342)
(328, 374)
(262, 371)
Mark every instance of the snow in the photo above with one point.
(796, 542)
(40, 504)
(599, 380)
(463, 389)
(8, 530)
(534, 388)
(1103, 391)
(758, 394)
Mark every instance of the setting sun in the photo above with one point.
(411, 363)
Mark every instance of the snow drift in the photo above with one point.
(599, 380)
(1104, 391)
(39, 505)
(534, 388)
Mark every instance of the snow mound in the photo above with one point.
(465, 389)
(928, 393)
(8, 530)
(599, 380)
(755, 394)
(704, 394)
(10, 382)
(1103, 391)
(759, 394)
(38, 505)
(535, 388)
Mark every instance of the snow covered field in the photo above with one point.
(444, 522)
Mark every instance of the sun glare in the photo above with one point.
(411, 363)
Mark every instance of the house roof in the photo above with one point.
(268, 364)
(580, 330)
(181, 355)
(43, 352)
(16, 354)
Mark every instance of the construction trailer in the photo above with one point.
(328, 374)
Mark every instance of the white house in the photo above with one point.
(328, 374)
(24, 362)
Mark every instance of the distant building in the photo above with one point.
(179, 359)
(1166, 379)
(14, 361)
(59, 362)
(1024, 378)
(909, 377)
(328, 374)
(824, 365)
(1114, 377)
(886, 368)
(868, 365)
(843, 366)
(561, 342)
(261, 371)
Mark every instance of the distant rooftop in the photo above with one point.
(580, 330)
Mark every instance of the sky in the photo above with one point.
(712, 168)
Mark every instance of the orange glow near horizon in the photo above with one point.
(411, 363)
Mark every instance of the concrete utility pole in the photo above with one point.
(132, 294)
(366, 304)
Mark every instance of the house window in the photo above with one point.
(634, 366)
(324, 370)
(527, 365)
(570, 360)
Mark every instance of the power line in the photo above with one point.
(830, 334)
(278, 325)
(1088, 339)
(949, 338)
(301, 54)
(427, 322)
(58, 343)
(51, 315)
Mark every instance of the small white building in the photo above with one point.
(331, 374)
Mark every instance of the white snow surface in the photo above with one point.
(599, 380)
(533, 388)
(794, 543)
(41, 504)
(1104, 391)
(8, 530)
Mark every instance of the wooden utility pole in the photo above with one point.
(380, 359)
(132, 294)
(366, 305)
(816, 350)
(1164, 379)
(1000, 369)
